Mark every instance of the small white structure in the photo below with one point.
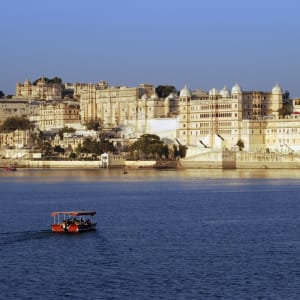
(104, 160)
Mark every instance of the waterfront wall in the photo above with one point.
(241, 160)
(208, 160)
(74, 164)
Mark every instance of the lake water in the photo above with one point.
(197, 234)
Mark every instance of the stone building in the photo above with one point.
(56, 115)
(15, 139)
(40, 91)
(214, 120)
(17, 108)
(296, 106)
(123, 106)
(273, 135)
(86, 94)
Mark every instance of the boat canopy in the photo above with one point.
(74, 213)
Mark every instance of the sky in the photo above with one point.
(201, 43)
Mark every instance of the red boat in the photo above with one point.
(73, 221)
(10, 168)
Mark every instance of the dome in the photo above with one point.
(276, 89)
(236, 89)
(213, 92)
(225, 92)
(185, 92)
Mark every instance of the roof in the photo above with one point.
(74, 213)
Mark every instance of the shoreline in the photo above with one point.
(160, 165)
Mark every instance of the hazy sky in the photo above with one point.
(201, 43)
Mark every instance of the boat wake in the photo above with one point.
(12, 237)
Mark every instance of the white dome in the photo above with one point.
(213, 92)
(185, 92)
(225, 92)
(276, 89)
(236, 89)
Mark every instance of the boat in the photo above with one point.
(10, 168)
(73, 221)
(125, 171)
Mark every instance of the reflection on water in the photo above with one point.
(92, 175)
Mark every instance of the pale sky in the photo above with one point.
(201, 43)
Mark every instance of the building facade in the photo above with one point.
(39, 91)
(17, 108)
(15, 139)
(123, 106)
(215, 119)
(56, 115)
(272, 135)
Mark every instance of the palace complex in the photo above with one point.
(203, 121)
(39, 91)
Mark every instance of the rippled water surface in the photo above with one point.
(161, 235)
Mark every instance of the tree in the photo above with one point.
(93, 125)
(286, 109)
(2, 95)
(240, 144)
(164, 91)
(14, 123)
(54, 80)
(72, 155)
(149, 146)
(47, 149)
(180, 151)
(286, 95)
(59, 149)
(93, 146)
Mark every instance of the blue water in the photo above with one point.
(161, 235)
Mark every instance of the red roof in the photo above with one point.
(74, 213)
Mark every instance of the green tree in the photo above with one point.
(94, 146)
(58, 149)
(2, 95)
(53, 80)
(14, 123)
(179, 151)
(47, 149)
(286, 109)
(286, 95)
(93, 125)
(240, 144)
(182, 151)
(164, 91)
(72, 155)
(149, 146)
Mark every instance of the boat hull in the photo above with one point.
(73, 228)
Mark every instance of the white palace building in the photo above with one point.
(219, 119)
